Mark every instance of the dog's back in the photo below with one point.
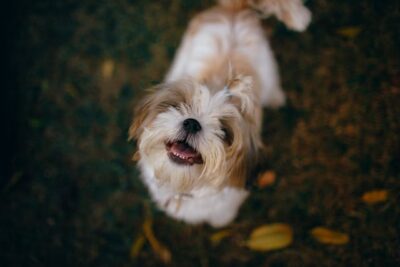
(229, 38)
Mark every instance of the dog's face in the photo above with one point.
(191, 136)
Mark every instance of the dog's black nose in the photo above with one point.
(191, 126)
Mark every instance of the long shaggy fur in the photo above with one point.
(222, 75)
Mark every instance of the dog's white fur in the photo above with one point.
(222, 75)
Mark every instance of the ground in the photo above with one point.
(72, 196)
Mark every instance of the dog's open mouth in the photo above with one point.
(181, 152)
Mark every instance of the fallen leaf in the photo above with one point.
(375, 196)
(217, 237)
(107, 68)
(349, 32)
(266, 179)
(270, 237)
(159, 249)
(328, 236)
(137, 246)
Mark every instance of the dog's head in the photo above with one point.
(191, 136)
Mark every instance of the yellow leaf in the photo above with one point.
(375, 196)
(137, 246)
(327, 236)
(266, 179)
(349, 32)
(159, 249)
(107, 68)
(270, 237)
(218, 236)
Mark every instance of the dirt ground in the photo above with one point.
(72, 197)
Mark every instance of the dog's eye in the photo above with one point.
(227, 130)
(175, 106)
(167, 105)
(228, 136)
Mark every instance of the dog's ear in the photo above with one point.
(244, 150)
(242, 154)
(140, 116)
(242, 95)
(159, 99)
(147, 109)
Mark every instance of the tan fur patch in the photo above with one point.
(158, 100)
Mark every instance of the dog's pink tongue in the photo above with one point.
(182, 153)
(183, 150)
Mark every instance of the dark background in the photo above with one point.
(70, 193)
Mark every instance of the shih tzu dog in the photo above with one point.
(198, 133)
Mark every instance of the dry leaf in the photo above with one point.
(375, 196)
(217, 237)
(137, 246)
(270, 237)
(349, 32)
(107, 68)
(266, 179)
(161, 251)
(327, 236)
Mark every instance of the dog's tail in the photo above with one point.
(291, 12)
